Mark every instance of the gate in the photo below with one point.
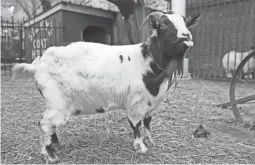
(226, 28)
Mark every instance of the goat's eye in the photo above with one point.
(161, 26)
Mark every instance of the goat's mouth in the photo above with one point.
(187, 42)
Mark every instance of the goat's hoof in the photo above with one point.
(148, 142)
(50, 154)
(54, 160)
(57, 145)
(140, 148)
(51, 160)
(142, 151)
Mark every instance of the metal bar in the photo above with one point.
(251, 16)
(12, 40)
(236, 30)
(40, 37)
(211, 28)
(198, 56)
(50, 37)
(21, 42)
(223, 35)
(217, 23)
(253, 21)
(55, 33)
(8, 46)
(60, 34)
(3, 39)
(195, 52)
(205, 39)
(23, 39)
(229, 37)
(32, 30)
(243, 32)
(45, 39)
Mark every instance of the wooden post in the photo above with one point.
(179, 6)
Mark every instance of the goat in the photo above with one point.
(88, 78)
(232, 59)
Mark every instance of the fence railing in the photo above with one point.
(12, 49)
(226, 29)
(24, 42)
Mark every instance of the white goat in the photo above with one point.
(88, 78)
(232, 59)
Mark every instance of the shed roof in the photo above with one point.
(107, 8)
(98, 4)
(106, 5)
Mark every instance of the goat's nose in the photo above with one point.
(186, 35)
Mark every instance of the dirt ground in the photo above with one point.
(107, 138)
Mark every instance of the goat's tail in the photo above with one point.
(29, 69)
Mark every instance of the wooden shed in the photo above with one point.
(68, 21)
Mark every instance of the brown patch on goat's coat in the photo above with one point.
(149, 103)
(56, 60)
(129, 58)
(121, 58)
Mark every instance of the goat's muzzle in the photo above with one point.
(186, 41)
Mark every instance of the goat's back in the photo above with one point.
(91, 74)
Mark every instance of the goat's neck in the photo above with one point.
(154, 50)
(168, 66)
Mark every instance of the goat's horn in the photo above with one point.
(157, 14)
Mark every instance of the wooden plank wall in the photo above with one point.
(123, 28)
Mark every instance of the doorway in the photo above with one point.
(95, 34)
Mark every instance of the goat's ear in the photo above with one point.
(153, 21)
(193, 20)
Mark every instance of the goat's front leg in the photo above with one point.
(147, 134)
(138, 142)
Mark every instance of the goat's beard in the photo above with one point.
(170, 59)
(183, 47)
(172, 67)
(172, 49)
(174, 70)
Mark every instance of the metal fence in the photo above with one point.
(11, 44)
(226, 28)
(23, 41)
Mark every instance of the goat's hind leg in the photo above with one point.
(49, 143)
(147, 134)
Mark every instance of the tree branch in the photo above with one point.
(34, 4)
(24, 8)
